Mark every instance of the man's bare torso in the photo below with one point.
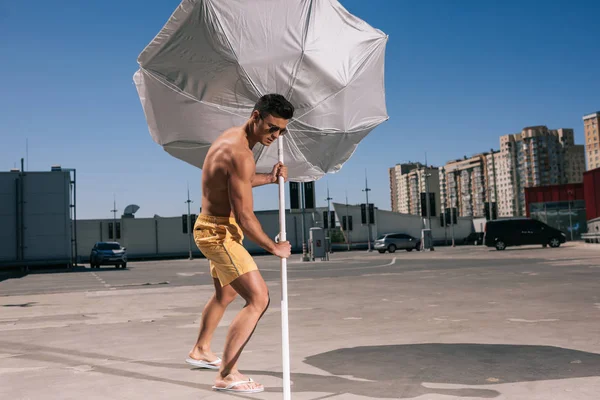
(232, 144)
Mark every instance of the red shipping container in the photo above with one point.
(551, 193)
(591, 183)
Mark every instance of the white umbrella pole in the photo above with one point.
(285, 335)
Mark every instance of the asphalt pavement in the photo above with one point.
(455, 323)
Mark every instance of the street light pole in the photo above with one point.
(367, 190)
(347, 223)
(427, 203)
(329, 230)
(570, 194)
(489, 194)
(495, 185)
(444, 206)
(303, 203)
(114, 211)
(189, 223)
(452, 208)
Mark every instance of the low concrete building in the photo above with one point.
(38, 225)
(165, 237)
(393, 222)
(37, 210)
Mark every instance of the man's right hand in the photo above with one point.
(282, 249)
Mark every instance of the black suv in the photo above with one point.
(502, 233)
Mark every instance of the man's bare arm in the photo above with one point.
(263, 179)
(240, 196)
(279, 169)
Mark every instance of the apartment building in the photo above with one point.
(505, 190)
(591, 127)
(399, 187)
(468, 184)
(536, 156)
(408, 181)
(575, 163)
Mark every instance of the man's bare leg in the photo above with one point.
(253, 289)
(211, 316)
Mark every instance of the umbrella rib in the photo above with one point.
(175, 88)
(312, 166)
(337, 132)
(305, 35)
(356, 74)
(256, 91)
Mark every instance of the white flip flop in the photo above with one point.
(230, 388)
(204, 364)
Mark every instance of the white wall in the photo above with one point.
(392, 222)
(8, 217)
(46, 216)
(388, 221)
(479, 224)
(88, 233)
(139, 236)
(163, 237)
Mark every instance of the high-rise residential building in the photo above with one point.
(575, 163)
(394, 197)
(469, 184)
(408, 182)
(399, 188)
(504, 189)
(493, 161)
(536, 157)
(591, 127)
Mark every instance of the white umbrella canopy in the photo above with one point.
(211, 62)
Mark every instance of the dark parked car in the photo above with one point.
(108, 253)
(474, 238)
(393, 241)
(502, 233)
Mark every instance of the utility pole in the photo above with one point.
(495, 185)
(367, 190)
(453, 198)
(489, 193)
(347, 223)
(114, 211)
(189, 223)
(328, 233)
(570, 193)
(444, 206)
(427, 204)
(303, 205)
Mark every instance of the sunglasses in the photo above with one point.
(273, 128)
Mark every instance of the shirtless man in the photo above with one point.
(228, 176)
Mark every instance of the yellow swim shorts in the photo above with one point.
(220, 240)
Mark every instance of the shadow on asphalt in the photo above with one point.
(401, 369)
(17, 274)
(5, 275)
(382, 372)
(529, 247)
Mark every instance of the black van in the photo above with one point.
(502, 233)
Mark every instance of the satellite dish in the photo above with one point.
(130, 210)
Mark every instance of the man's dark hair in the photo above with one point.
(275, 105)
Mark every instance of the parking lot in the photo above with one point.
(455, 323)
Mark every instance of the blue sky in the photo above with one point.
(458, 75)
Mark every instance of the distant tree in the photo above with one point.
(337, 236)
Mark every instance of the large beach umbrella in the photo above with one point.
(213, 59)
